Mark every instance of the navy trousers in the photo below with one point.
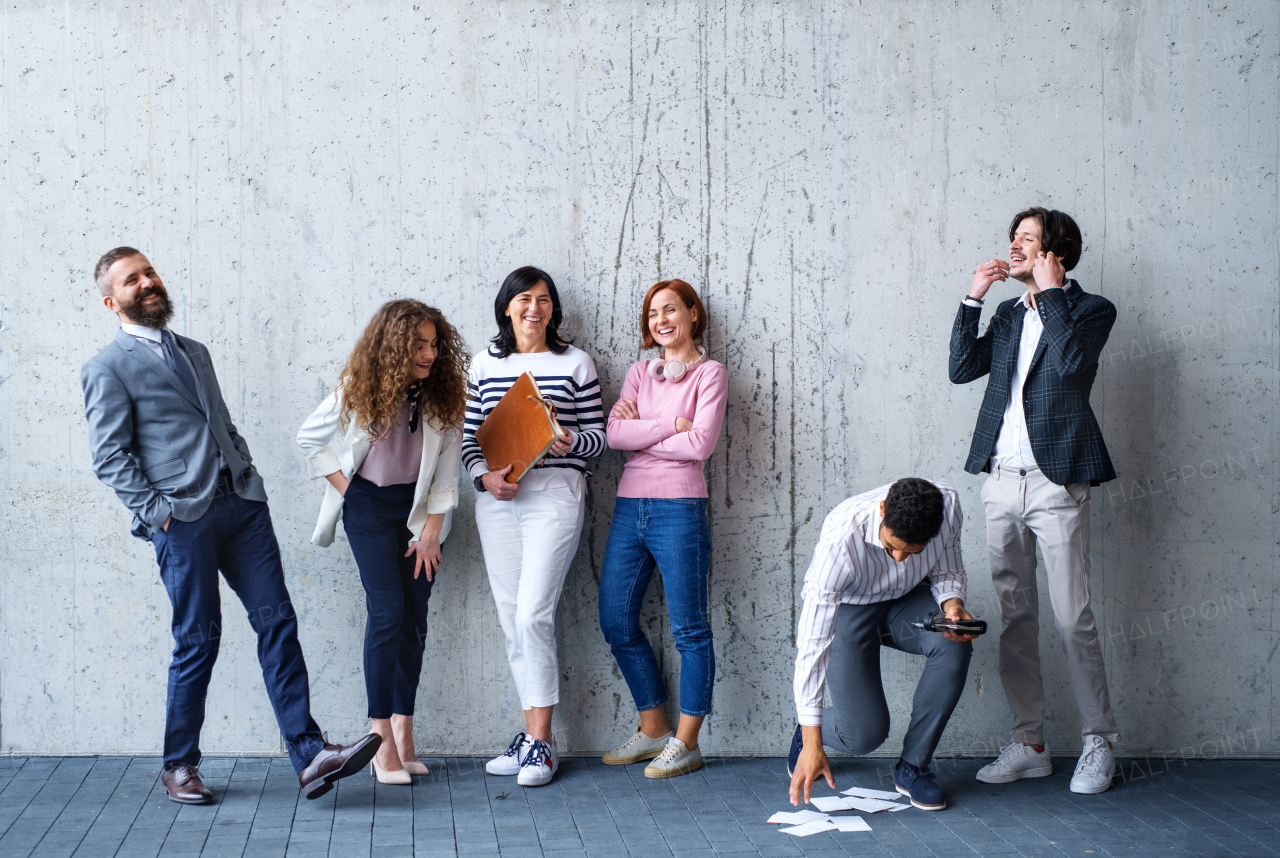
(395, 632)
(236, 537)
(858, 721)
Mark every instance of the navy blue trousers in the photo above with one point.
(395, 632)
(234, 536)
(858, 721)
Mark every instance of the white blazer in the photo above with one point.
(437, 488)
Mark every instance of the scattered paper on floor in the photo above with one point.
(872, 793)
(832, 803)
(817, 826)
(871, 805)
(850, 823)
(797, 817)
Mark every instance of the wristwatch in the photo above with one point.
(478, 482)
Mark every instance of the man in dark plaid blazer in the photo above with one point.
(1041, 445)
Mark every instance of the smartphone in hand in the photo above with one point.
(938, 622)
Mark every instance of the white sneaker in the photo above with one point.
(509, 762)
(1096, 768)
(540, 762)
(638, 747)
(675, 759)
(1015, 762)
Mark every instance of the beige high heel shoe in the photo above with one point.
(415, 767)
(400, 778)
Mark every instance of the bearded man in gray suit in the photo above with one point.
(163, 440)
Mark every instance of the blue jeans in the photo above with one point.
(671, 534)
(234, 535)
(395, 631)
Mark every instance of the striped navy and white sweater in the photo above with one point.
(569, 380)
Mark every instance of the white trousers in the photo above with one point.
(528, 544)
(1025, 509)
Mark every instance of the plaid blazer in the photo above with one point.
(1064, 433)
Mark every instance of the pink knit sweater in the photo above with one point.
(661, 462)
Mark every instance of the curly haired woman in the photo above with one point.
(389, 440)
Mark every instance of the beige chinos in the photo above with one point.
(1023, 508)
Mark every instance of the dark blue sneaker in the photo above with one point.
(919, 786)
(793, 756)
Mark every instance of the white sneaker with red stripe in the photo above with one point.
(508, 762)
(539, 765)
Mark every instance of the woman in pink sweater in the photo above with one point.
(668, 420)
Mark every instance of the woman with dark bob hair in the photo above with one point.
(668, 419)
(389, 441)
(529, 530)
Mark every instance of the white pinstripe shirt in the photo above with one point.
(851, 567)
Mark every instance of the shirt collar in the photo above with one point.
(872, 534)
(142, 332)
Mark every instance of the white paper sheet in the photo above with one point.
(897, 806)
(870, 805)
(815, 827)
(872, 793)
(832, 803)
(797, 817)
(850, 823)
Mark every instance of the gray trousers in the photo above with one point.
(1023, 510)
(858, 721)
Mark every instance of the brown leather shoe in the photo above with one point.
(335, 762)
(184, 786)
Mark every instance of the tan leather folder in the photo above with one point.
(519, 430)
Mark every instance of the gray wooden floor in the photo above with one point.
(114, 806)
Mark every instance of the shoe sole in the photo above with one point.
(673, 773)
(208, 800)
(360, 757)
(489, 771)
(611, 760)
(1042, 772)
(915, 803)
(1091, 790)
(550, 776)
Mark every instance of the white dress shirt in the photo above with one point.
(851, 567)
(1013, 444)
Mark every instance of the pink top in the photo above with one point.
(397, 458)
(661, 462)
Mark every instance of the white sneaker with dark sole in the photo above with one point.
(636, 749)
(675, 760)
(1017, 761)
(1096, 768)
(508, 762)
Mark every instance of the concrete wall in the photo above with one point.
(827, 174)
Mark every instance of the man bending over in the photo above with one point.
(885, 559)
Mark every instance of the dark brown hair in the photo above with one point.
(111, 257)
(522, 280)
(691, 300)
(1059, 234)
(913, 510)
(376, 376)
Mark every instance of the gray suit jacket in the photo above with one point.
(152, 442)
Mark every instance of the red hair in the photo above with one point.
(691, 301)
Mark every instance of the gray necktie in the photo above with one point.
(178, 365)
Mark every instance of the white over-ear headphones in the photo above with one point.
(674, 370)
